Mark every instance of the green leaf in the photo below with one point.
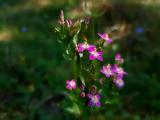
(74, 109)
(60, 41)
(57, 29)
(68, 53)
(67, 57)
(108, 102)
(82, 80)
(75, 37)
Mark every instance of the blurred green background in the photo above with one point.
(33, 71)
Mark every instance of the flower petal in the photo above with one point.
(90, 95)
(90, 103)
(100, 53)
(91, 57)
(109, 40)
(91, 48)
(98, 104)
(99, 58)
(119, 83)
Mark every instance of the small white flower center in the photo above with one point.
(95, 99)
(94, 53)
(106, 36)
(120, 70)
(107, 71)
(120, 82)
(85, 46)
(72, 83)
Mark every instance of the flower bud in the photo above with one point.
(101, 81)
(82, 94)
(82, 87)
(87, 20)
(119, 59)
(61, 20)
(93, 89)
(69, 23)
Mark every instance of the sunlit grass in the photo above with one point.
(5, 35)
(31, 5)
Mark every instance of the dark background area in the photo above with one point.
(33, 71)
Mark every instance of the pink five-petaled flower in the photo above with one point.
(118, 71)
(94, 100)
(105, 37)
(70, 84)
(95, 55)
(119, 59)
(118, 81)
(84, 46)
(107, 71)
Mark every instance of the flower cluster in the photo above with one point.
(94, 54)
(89, 63)
(115, 71)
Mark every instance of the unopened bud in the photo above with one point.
(69, 23)
(93, 89)
(82, 87)
(82, 94)
(61, 21)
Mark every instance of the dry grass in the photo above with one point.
(5, 35)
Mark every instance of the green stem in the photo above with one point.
(85, 7)
(75, 69)
(93, 29)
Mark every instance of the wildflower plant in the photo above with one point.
(95, 80)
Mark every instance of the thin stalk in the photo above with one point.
(93, 29)
(75, 68)
(85, 7)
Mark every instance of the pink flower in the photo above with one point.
(61, 21)
(105, 37)
(94, 100)
(118, 71)
(107, 71)
(84, 46)
(71, 84)
(118, 82)
(95, 55)
(119, 59)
